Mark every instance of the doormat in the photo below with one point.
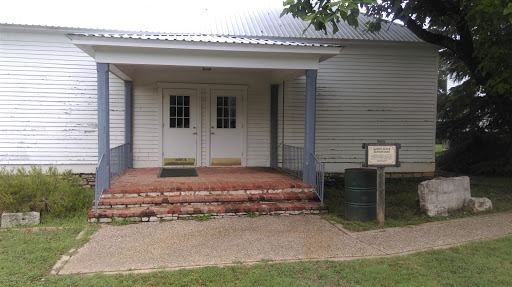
(177, 172)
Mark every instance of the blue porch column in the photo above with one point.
(309, 134)
(103, 116)
(274, 91)
(128, 92)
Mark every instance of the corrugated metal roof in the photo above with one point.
(265, 23)
(205, 38)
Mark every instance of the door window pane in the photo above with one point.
(179, 115)
(226, 112)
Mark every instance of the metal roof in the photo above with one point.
(266, 22)
(204, 38)
(261, 23)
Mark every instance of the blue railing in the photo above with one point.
(293, 163)
(102, 180)
(318, 179)
(119, 161)
(293, 160)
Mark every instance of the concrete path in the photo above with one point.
(188, 244)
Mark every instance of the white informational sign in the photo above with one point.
(382, 155)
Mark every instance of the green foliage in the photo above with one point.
(478, 126)
(201, 217)
(477, 32)
(51, 192)
(478, 153)
(252, 214)
(121, 221)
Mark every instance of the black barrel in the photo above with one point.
(360, 194)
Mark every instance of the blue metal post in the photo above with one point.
(128, 91)
(274, 91)
(309, 134)
(103, 115)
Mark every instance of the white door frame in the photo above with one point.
(208, 88)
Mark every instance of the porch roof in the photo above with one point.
(203, 51)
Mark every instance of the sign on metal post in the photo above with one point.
(381, 155)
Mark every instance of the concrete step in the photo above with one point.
(145, 201)
(173, 212)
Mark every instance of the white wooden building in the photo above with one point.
(207, 97)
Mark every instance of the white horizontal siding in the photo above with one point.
(48, 103)
(363, 95)
(147, 126)
(258, 125)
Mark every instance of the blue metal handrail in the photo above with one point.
(102, 181)
(293, 160)
(293, 163)
(318, 183)
(119, 161)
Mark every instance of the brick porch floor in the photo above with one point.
(219, 191)
(208, 179)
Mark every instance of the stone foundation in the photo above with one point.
(87, 179)
(337, 176)
(170, 217)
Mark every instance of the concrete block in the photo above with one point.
(478, 204)
(13, 219)
(441, 195)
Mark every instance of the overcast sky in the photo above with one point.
(145, 15)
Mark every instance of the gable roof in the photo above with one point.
(203, 38)
(261, 23)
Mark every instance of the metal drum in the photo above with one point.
(361, 194)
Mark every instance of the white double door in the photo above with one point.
(216, 140)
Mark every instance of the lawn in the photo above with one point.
(402, 203)
(26, 259)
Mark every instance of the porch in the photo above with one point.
(188, 102)
(140, 195)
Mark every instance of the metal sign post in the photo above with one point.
(381, 155)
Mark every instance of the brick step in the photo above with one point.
(120, 202)
(172, 212)
(160, 191)
(176, 186)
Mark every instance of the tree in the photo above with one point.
(478, 126)
(477, 32)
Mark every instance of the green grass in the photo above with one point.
(402, 203)
(439, 148)
(26, 259)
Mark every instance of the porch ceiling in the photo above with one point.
(186, 53)
(129, 72)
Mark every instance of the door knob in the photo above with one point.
(194, 133)
(212, 133)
